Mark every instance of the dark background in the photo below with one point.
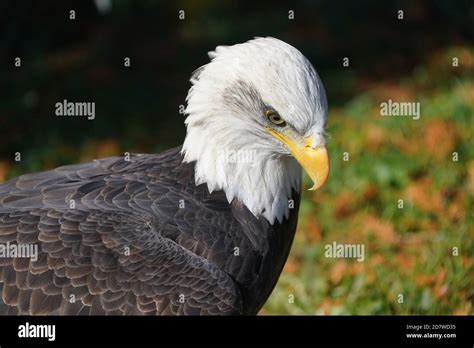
(137, 107)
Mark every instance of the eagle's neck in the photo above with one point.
(261, 181)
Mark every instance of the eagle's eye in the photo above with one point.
(274, 118)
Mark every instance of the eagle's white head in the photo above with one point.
(256, 115)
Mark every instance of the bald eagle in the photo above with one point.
(201, 229)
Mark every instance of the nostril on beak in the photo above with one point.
(314, 142)
(315, 146)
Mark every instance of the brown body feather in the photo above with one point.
(114, 238)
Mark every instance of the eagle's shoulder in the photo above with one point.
(103, 247)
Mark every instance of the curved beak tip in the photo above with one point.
(319, 170)
(316, 187)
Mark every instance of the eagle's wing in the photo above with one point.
(104, 244)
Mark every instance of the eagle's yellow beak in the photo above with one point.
(315, 161)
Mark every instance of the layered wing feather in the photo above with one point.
(135, 237)
(114, 237)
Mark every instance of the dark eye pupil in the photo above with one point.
(275, 118)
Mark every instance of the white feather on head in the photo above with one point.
(225, 116)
